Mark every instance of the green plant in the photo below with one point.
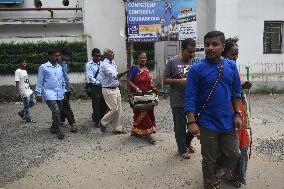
(36, 54)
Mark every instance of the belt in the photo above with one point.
(110, 87)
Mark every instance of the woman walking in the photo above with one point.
(140, 81)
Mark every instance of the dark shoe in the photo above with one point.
(21, 115)
(103, 128)
(119, 132)
(191, 149)
(74, 128)
(62, 124)
(59, 134)
(231, 179)
(215, 185)
(97, 125)
(30, 121)
(53, 130)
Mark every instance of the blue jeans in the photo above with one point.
(28, 102)
(55, 106)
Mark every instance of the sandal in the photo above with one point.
(191, 149)
(185, 155)
(152, 139)
(119, 132)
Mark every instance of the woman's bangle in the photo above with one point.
(137, 89)
(237, 113)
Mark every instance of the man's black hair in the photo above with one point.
(187, 42)
(96, 51)
(173, 17)
(20, 60)
(52, 51)
(65, 51)
(216, 33)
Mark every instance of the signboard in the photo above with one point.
(11, 1)
(150, 21)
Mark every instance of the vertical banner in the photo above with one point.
(150, 21)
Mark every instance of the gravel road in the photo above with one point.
(33, 158)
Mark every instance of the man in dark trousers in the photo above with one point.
(213, 91)
(175, 76)
(66, 111)
(94, 82)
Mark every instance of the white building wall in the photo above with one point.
(42, 14)
(245, 19)
(19, 26)
(104, 24)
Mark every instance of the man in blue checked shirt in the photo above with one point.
(66, 111)
(94, 82)
(50, 88)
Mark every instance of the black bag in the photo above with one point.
(89, 85)
(88, 89)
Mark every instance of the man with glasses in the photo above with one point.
(94, 82)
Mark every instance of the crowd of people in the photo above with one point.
(206, 100)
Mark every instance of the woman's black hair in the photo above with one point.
(229, 43)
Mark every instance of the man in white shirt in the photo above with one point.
(111, 93)
(24, 91)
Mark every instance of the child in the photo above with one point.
(23, 89)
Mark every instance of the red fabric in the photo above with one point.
(144, 122)
(243, 134)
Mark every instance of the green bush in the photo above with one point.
(268, 90)
(36, 54)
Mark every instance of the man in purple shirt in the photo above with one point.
(221, 117)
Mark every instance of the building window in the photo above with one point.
(272, 37)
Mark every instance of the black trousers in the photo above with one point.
(98, 103)
(183, 138)
(66, 112)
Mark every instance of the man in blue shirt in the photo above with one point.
(94, 81)
(220, 117)
(50, 88)
(66, 111)
(111, 93)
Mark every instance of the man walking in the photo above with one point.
(111, 93)
(94, 81)
(50, 88)
(175, 76)
(213, 92)
(66, 111)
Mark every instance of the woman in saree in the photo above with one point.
(140, 81)
(231, 51)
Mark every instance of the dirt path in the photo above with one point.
(89, 159)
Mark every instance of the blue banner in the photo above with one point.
(169, 20)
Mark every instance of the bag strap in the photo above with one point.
(97, 72)
(206, 102)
